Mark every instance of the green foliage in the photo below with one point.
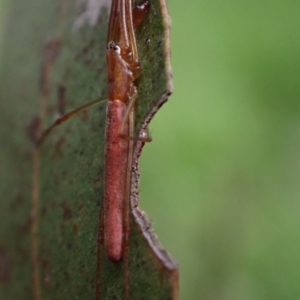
(53, 60)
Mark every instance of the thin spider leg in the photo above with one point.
(114, 26)
(145, 136)
(129, 115)
(127, 207)
(65, 117)
(131, 33)
(129, 110)
(135, 17)
(124, 39)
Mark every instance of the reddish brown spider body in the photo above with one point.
(122, 69)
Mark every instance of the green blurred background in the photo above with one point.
(220, 181)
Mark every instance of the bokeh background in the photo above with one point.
(221, 179)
